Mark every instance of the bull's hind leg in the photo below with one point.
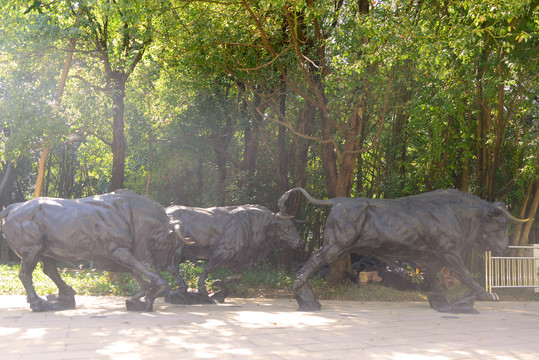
(28, 265)
(303, 291)
(66, 294)
(156, 284)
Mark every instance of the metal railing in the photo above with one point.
(512, 271)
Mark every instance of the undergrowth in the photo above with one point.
(261, 281)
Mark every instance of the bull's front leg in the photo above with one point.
(217, 258)
(464, 303)
(303, 292)
(201, 284)
(156, 284)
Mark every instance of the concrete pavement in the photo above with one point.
(101, 328)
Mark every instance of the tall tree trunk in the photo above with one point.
(41, 171)
(482, 127)
(150, 144)
(517, 234)
(222, 174)
(4, 184)
(117, 81)
(283, 153)
(524, 238)
(305, 126)
(348, 158)
(499, 132)
(252, 140)
(328, 158)
(345, 180)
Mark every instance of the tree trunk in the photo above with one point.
(524, 238)
(515, 240)
(5, 181)
(328, 159)
(117, 81)
(482, 128)
(282, 148)
(150, 145)
(500, 133)
(305, 126)
(222, 174)
(41, 171)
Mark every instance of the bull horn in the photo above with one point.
(282, 215)
(178, 231)
(510, 217)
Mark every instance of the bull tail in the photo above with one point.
(284, 198)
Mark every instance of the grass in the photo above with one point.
(262, 281)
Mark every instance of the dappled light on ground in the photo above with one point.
(101, 328)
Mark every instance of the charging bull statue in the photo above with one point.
(119, 231)
(433, 228)
(237, 237)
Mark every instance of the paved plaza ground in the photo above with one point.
(101, 328)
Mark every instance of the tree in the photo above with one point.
(117, 34)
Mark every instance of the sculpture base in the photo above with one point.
(54, 303)
(137, 305)
(188, 298)
(461, 305)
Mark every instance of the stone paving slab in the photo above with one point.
(101, 328)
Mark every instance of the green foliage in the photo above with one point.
(402, 87)
(85, 282)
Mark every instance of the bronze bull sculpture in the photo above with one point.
(119, 231)
(433, 228)
(237, 237)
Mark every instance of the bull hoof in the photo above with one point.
(306, 299)
(440, 303)
(137, 305)
(198, 298)
(188, 298)
(177, 297)
(41, 305)
(220, 295)
(62, 302)
(463, 308)
(486, 296)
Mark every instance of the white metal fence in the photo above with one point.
(513, 271)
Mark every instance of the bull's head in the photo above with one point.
(175, 230)
(493, 234)
(286, 230)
